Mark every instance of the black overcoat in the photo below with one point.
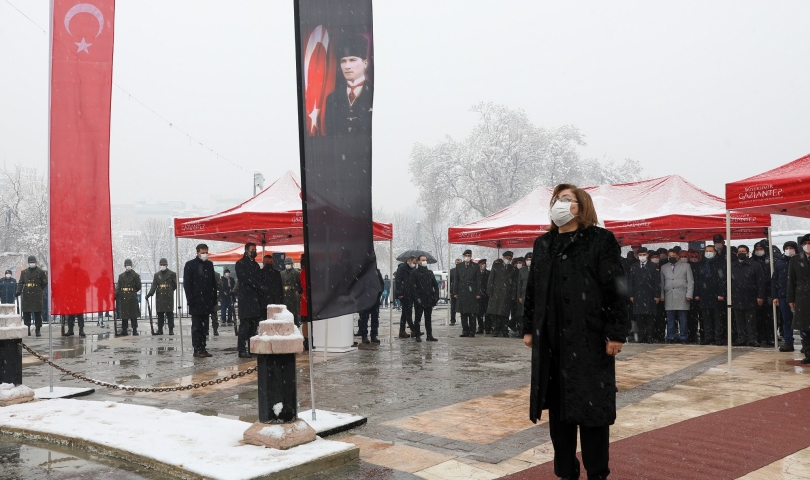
(344, 118)
(423, 287)
(163, 286)
(594, 309)
(798, 290)
(272, 287)
(126, 292)
(747, 284)
(711, 283)
(501, 288)
(200, 285)
(32, 285)
(468, 285)
(644, 286)
(402, 280)
(250, 285)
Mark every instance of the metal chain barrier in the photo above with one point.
(141, 389)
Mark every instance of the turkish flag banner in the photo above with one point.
(79, 186)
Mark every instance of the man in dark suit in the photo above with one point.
(644, 286)
(248, 296)
(200, 286)
(348, 108)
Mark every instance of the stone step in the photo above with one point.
(8, 309)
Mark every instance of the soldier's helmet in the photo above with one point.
(127, 263)
(163, 261)
(32, 259)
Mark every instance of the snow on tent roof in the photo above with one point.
(651, 211)
(785, 190)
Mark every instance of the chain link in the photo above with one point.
(141, 389)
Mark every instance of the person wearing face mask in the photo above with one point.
(798, 294)
(226, 293)
(484, 319)
(453, 278)
(501, 289)
(290, 280)
(710, 288)
(126, 294)
(765, 311)
(779, 293)
(8, 288)
(747, 293)
(468, 291)
(677, 288)
(386, 292)
(643, 285)
(164, 284)
(425, 294)
(659, 329)
(720, 247)
(693, 323)
(403, 290)
(576, 323)
(200, 286)
(520, 295)
(31, 285)
(248, 297)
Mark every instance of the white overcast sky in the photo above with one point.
(715, 91)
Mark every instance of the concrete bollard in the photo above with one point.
(11, 333)
(275, 346)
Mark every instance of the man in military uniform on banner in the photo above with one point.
(349, 106)
(126, 293)
(164, 284)
(32, 284)
(290, 279)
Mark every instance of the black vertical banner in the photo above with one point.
(335, 63)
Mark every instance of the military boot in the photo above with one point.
(160, 327)
(216, 333)
(81, 332)
(37, 333)
(135, 333)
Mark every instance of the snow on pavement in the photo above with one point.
(326, 420)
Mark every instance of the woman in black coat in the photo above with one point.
(578, 305)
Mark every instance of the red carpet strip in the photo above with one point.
(722, 445)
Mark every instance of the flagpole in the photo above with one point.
(50, 273)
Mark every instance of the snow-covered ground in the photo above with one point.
(326, 421)
(205, 445)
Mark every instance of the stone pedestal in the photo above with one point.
(276, 344)
(11, 332)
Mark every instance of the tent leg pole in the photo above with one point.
(728, 284)
(773, 305)
(179, 298)
(311, 377)
(390, 296)
(449, 295)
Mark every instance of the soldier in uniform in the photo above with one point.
(164, 285)
(227, 287)
(484, 320)
(501, 290)
(8, 288)
(348, 108)
(290, 280)
(32, 284)
(468, 290)
(126, 292)
(520, 293)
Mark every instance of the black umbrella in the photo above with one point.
(415, 253)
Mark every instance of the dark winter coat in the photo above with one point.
(200, 285)
(32, 284)
(226, 288)
(483, 302)
(711, 283)
(8, 290)
(163, 287)
(522, 283)
(747, 284)
(644, 286)
(272, 288)
(765, 262)
(402, 281)
(502, 289)
(780, 276)
(798, 290)
(250, 285)
(126, 293)
(468, 286)
(290, 280)
(423, 287)
(590, 278)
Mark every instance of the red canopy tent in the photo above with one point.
(234, 254)
(666, 209)
(273, 217)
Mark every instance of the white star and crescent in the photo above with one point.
(84, 8)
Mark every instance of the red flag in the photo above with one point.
(81, 87)
(319, 78)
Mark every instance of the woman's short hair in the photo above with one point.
(587, 212)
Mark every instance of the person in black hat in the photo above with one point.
(710, 290)
(644, 286)
(779, 292)
(765, 311)
(126, 293)
(468, 290)
(720, 246)
(484, 319)
(32, 284)
(522, 282)
(164, 285)
(200, 287)
(501, 290)
(8, 288)
(425, 294)
(798, 294)
(747, 293)
(348, 108)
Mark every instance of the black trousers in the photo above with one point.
(468, 323)
(427, 311)
(71, 320)
(453, 302)
(484, 323)
(37, 319)
(214, 318)
(806, 343)
(198, 331)
(167, 318)
(500, 324)
(714, 325)
(746, 321)
(645, 324)
(247, 329)
(765, 321)
(407, 314)
(693, 321)
(125, 325)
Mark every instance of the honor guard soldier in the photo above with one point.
(32, 285)
(126, 292)
(290, 279)
(164, 285)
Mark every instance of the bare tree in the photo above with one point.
(24, 210)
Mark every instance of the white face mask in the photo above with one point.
(528, 263)
(163, 268)
(519, 266)
(227, 274)
(790, 252)
(467, 259)
(203, 257)
(8, 275)
(655, 260)
(806, 248)
(642, 258)
(560, 213)
(32, 265)
(128, 268)
(709, 255)
(759, 253)
(413, 265)
(506, 261)
(288, 266)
